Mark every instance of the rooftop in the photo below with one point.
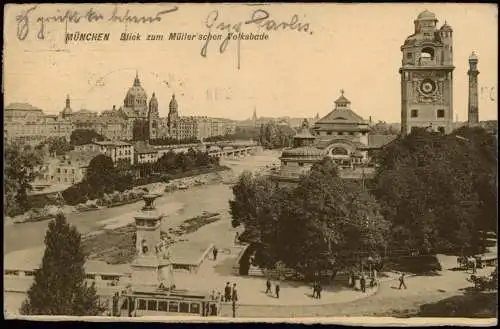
(144, 148)
(112, 143)
(22, 107)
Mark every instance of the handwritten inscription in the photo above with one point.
(260, 18)
(489, 92)
(25, 18)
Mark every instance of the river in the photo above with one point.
(177, 206)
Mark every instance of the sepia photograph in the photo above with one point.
(313, 163)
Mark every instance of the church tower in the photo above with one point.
(173, 117)
(473, 113)
(427, 76)
(153, 117)
(67, 111)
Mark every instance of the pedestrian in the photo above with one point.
(227, 292)
(268, 286)
(236, 238)
(402, 280)
(318, 290)
(215, 251)
(234, 296)
(277, 289)
(474, 265)
(351, 278)
(315, 289)
(362, 283)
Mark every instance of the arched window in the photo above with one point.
(339, 151)
(427, 53)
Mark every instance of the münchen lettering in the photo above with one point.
(81, 36)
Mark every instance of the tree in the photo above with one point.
(57, 145)
(59, 287)
(437, 190)
(101, 174)
(85, 136)
(322, 223)
(21, 168)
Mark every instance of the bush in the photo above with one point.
(480, 305)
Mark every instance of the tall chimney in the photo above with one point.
(473, 111)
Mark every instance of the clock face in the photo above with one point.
(428, 87)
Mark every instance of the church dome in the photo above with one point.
(136, 95)
(426, 15)
(303, 152)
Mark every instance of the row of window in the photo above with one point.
(65, 171)
(167, 306)
(440, 129)
(351, 133)
(439, 113)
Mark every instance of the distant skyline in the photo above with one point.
(355, 47)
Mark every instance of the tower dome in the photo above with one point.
(136, 95)
(426, 15)
(473, 56)
(154, 100)
(173, 103)
(66, 112)
(446, 27)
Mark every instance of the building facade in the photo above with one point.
(67, 170)
(199, 127)
(145, 153)
(26, 123)
(116, 150)
(343, 134)
(427, 76)
(299, 159)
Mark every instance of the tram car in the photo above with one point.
(161, 302)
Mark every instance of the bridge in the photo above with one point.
(221, 150)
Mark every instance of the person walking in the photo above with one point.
(234, 295)
(318, 290)
(362, 283)
(277, 289)
(315, 289)
(402, 281)
(268, 286)
(474, 265)
(215, 251)
(234, 299)
(227, 292)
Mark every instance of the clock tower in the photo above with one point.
(427, 76)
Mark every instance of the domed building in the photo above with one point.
(142, 120)
(343, 134)
(299, 159)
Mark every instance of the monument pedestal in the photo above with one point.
(149, 270)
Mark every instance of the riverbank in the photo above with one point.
(198, 176)
(116, 246)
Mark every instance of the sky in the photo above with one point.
(354, 47)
